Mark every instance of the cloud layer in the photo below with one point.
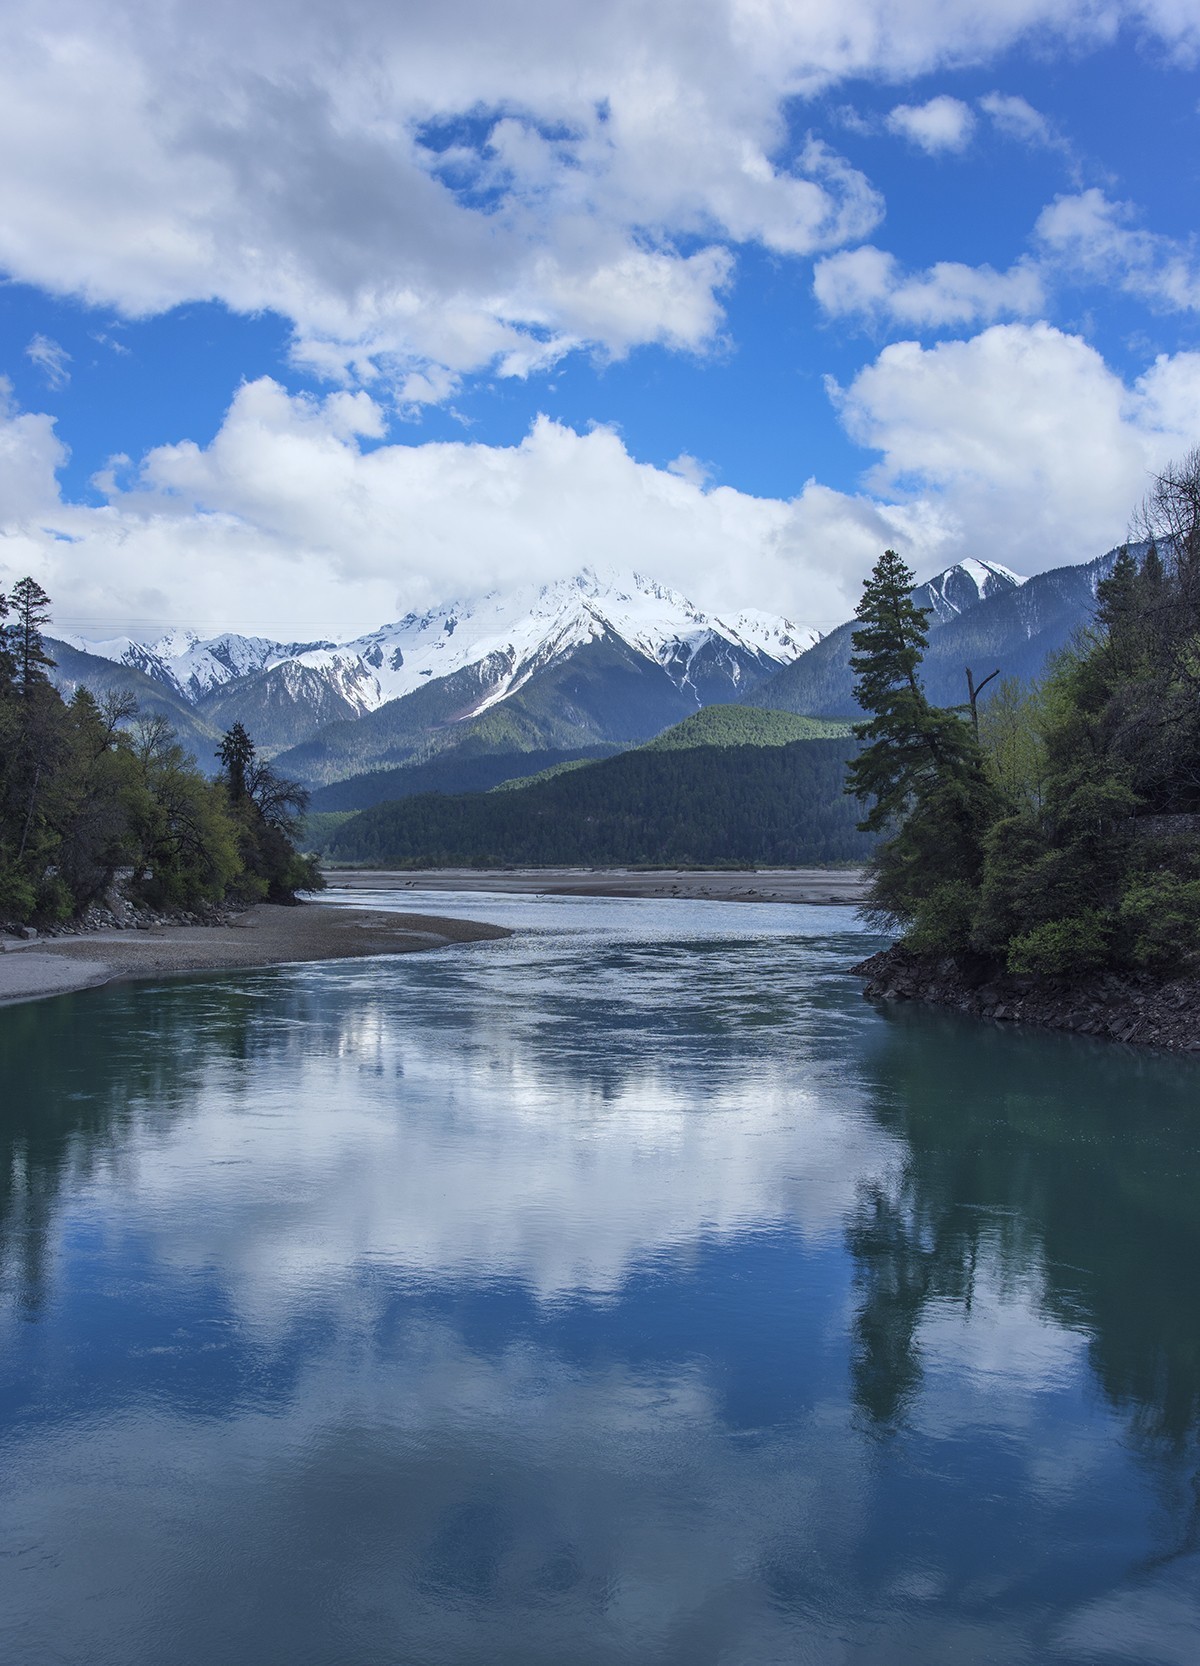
(441, 187)
(1019, 444)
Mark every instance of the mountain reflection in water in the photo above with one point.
(626, 1290)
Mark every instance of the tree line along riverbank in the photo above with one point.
(101, 807)
(1040, 857)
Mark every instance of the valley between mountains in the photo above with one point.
(559, 690)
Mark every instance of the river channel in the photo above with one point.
(628, 1290)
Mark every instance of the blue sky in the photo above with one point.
(341, 312)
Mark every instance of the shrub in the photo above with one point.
(943, 919)
(1161, 913)
(1064, 948)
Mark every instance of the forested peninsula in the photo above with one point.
(102, 812)
(1039, 855)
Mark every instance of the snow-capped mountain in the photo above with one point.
(595, 662)
(962, 586)
(510, 634)
(820, 682)
(189, 666)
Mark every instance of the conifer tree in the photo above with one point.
(236, 753)
(901, 745)
(268, 810)
(31, 605)
(920, 770)
(7, 664)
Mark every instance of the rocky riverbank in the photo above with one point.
(1140, 1010)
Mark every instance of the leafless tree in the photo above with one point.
(1169, 515)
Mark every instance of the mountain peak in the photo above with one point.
(962, 586)
(503, 637)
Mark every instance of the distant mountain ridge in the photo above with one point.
(1008, 624)
(513, 632)
(428, 677)
(471, 694)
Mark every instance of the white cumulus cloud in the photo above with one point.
(1023, 435)
(1019, 444)
(944, 124)
(447, 186)
(870, 283)
(1094, 238)
(293, 521)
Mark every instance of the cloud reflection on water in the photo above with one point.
(580, 1299)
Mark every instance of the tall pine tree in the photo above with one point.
(31, 605)
(920, 771)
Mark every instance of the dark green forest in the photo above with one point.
(1057, 833)
(460, 769)
(95, 789)
(745, 804)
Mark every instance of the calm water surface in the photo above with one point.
(628, 1291)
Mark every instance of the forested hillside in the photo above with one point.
(763, 803)
(744, 726)
(463, 769)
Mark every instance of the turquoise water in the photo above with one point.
(626, 1291)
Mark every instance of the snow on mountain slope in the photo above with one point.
(123, 650)
(513, 633)
(962, 586)
(197, 667)
(181, 661)
(989, 576)
(520, 631)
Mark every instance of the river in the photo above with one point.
(627, 1291)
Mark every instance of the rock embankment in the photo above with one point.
(1138, 1009)
(118, 913)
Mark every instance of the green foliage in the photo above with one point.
(320, 826)
(182, 838)
(1010, 733)
(519, 782)
(268, 815)
(236, 753)
(89, 786)
(716, 726)
(457, 769)
(745, 726)
(1079, 852)
(1160, 912)
(1064, 948)
(31, 607)
(942, 919)
(920, 770)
